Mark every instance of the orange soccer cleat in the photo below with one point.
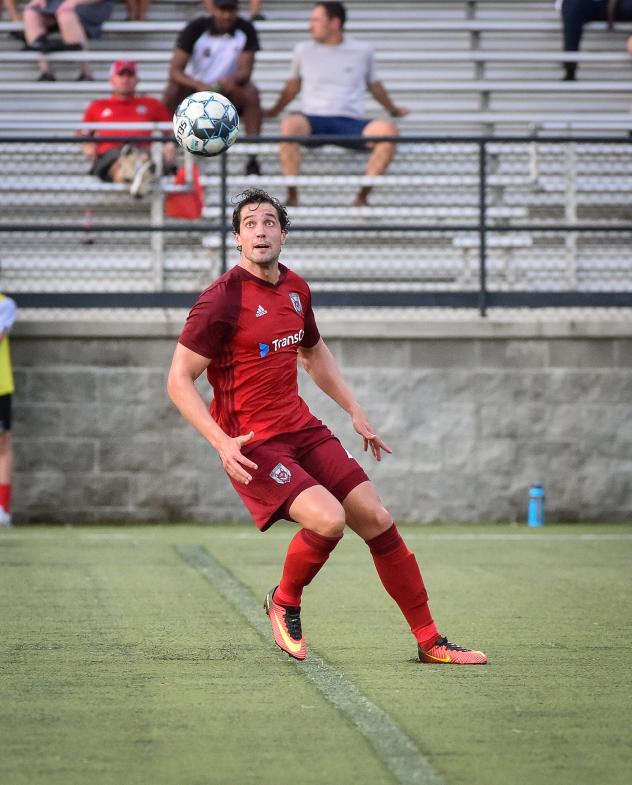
(442, 651)
(286, 627)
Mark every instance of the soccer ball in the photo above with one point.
(206, 124)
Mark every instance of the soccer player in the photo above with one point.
(247, 331)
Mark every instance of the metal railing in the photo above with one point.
(496, 173)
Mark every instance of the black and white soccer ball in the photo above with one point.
(206, 123)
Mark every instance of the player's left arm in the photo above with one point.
(321, 365)
(379, 92)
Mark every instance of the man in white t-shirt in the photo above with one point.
(332, 73)
(217, 52)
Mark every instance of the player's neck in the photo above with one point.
(267, 272)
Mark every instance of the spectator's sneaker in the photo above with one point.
(46, 76)
(449, 653)
(286, 627)
(143, 179)
(5, 518)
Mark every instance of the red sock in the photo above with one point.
(5, 497)
(306, 554)
(399, 572)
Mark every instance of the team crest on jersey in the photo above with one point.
(296, 302)
(281, 474)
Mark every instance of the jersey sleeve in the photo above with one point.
(189, 35)
(210, 323)
(312, 334)
(252, 39)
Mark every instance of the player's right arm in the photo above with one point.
(186, 367)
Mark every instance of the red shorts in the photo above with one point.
(290, 463)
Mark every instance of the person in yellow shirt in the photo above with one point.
(7, 318)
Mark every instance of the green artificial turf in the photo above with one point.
(120, 664)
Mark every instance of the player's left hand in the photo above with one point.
(369, 437)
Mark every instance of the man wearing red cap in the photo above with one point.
(120, 162)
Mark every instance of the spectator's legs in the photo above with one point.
(575, 14)
(34, 27)
(137, 9)
(381, 155)
(174, 94)
(72, 32)
(290, 152)
(36, 37)
(246, 100)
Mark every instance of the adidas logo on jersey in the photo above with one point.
(261, 311)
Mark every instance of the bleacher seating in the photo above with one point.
(462, 66)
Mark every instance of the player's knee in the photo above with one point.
(332, 523)
(380, 519)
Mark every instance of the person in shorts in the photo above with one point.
(7, 388)
(77, 21)
(247, 331)
(332, 72)
(125, 162)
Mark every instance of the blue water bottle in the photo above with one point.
(536, 505)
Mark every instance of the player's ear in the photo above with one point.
(283, 237)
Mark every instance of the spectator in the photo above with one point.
(76, 20)
(576, 13)
(217, 52)
(136, 10)
(121, 162)
(256, 11)
(331, 72)
(7, 318)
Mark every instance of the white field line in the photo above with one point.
(395, 750)
(546, 535)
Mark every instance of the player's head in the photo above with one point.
(327, 20)
(224, 13)
(252, 198)
(124, 77)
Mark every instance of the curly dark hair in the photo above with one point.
(258, 196)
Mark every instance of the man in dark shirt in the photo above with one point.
(217, 53)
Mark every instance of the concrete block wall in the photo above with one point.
(474, 411)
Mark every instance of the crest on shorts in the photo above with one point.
(296, 302)
(281, 474)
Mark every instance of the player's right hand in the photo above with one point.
(232, 459)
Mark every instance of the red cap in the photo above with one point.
(123, 65)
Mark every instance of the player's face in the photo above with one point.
(260, 234)
(320, 25)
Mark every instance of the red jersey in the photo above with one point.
(120, 109)
(251, 331)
